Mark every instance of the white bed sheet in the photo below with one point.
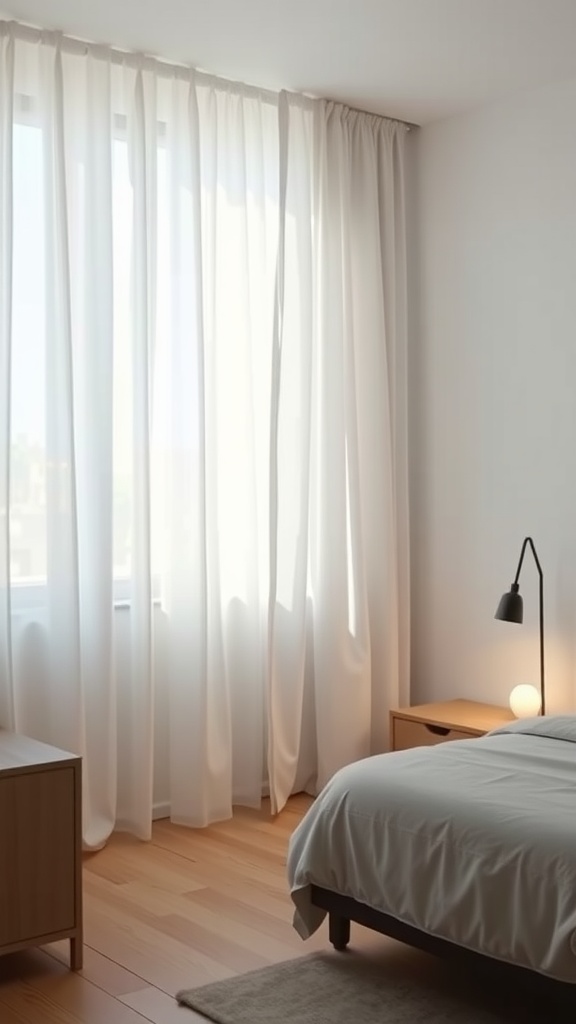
(473, 841)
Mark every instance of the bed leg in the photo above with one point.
(339, 931)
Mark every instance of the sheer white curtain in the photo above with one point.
(339, 610)
(203, 498)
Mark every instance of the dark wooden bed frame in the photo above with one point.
(343, 909)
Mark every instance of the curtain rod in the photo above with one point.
(166, 69)
(385, 117)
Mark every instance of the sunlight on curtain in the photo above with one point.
(203, 514)
(339, 642)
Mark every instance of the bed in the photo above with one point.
(468, 847)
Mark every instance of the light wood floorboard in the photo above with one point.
(189, 907)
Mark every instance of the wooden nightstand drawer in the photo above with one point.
(424, 725)
(422, 734)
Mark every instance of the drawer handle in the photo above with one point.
(437, 730)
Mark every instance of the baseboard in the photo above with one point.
(160, 811)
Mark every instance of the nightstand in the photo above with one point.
(427, 724)
(40, 846)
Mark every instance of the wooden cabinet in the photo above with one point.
(428, 724)
(40, 846)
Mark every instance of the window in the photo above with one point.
(240, 216)
(29, 383)
(28, 429)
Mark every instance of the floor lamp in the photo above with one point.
(511, 609)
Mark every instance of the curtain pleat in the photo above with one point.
(65, 707)
(135, 794)
(184, 504)
(6, 252)
(89, 154)
(290, 454)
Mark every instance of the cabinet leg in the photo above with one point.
(76, 954)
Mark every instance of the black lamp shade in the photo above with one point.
(511, 607)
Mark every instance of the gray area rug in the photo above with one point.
(351, 988)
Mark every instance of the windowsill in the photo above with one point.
(31, 595)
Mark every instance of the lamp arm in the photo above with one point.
(528, 540)
(517, 576)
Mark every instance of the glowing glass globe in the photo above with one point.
(525, 701)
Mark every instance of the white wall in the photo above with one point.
(493, 395)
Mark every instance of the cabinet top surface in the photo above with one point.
(20, 752)
(458, 714)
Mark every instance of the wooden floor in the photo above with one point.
(191, 906)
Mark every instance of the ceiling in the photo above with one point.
(418, 60)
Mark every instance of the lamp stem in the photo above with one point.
(541, 589)
(528, 540)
